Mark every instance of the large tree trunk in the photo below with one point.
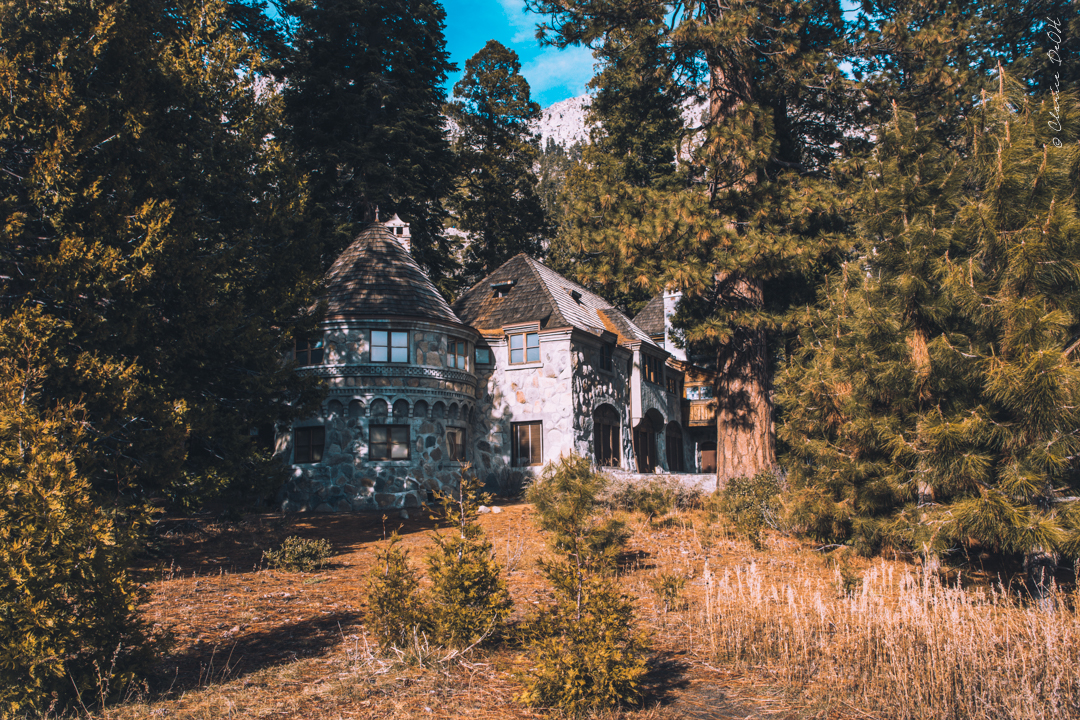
(745, 442)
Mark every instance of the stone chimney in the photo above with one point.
(400, 230)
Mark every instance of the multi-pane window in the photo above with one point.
(389, 442)
(308, 351)
(699, 392)
(525, 348)
(455, 355)
(308, 444)
(674, 446)
(645, 449)
(673, 384)
(483, 356)
(527, 448)
(651, 369)
(603, 358)
(389, 346)
(455, 443)
(606, 436)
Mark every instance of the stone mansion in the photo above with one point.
(526, 366)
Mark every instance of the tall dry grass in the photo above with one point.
(902, 645)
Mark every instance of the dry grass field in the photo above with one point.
(782, 632)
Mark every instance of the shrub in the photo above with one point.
(654, 497)
(567, 498)
(470, 599)
(299, 554)
(586, 653)
(751, 503)
(68, 620)
(397, 614)
(669, 590)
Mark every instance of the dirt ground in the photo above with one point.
(257, 642)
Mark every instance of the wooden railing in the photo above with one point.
(698, 412)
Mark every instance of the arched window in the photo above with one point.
(645, 433)
(420, 409)
(334, 408)
(606, 436)
(356, 409)
(401, 410)
(379, 409)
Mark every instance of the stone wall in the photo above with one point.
(425, 395)
(594, 387)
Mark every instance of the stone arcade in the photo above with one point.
(525, 367)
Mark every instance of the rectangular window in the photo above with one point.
(389, 442)
(527, 444)
(673, 385)
(483, 356)
(308, 444)
(389, 346)
(455, 443)
(455, 355)
(699, 392)
(308, 351)
(650, 369)
(603, 358)
(524, 348)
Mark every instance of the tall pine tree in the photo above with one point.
(754, 213)
(363, 102)
(935, 397)
(147, 208)
(496, 201)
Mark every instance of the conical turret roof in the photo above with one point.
(376, 277)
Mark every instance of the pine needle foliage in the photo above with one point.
(934, 400)
(496, 201)
(68, 619)
(397, 610)
(586, 651)
(148, 204)
(469, 598)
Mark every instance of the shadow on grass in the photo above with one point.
(666, 677)
(232, 658)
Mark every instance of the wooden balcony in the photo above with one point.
(698, 413)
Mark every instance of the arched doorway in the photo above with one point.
(606, 436)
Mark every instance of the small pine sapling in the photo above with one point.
(470, 599)
(587, 653)
(397, 610)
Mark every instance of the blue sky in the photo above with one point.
(553, 75)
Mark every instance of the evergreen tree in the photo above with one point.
(496, 202)
(363, 101)
(754, 212)
(935, 396)
(146, 206)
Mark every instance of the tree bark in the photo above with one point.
(745, 443)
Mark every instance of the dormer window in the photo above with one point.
(502, 289)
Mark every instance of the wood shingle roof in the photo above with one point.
(376, 276)
(539, 294)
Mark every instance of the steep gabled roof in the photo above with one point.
(651, 317)
(376, 276)
(539, 294)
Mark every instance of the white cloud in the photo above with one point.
(524, 24)
(553, 69)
